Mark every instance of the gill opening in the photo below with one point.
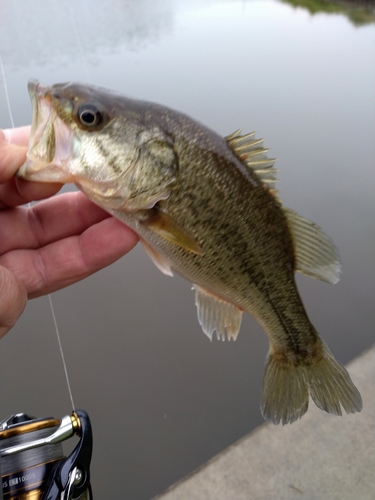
(49, 295)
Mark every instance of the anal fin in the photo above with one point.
(216, 314)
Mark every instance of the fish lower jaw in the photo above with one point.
(36, 170)
(106, 196)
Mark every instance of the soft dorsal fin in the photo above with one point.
(215, 314)
(252, 153)
(316, 255)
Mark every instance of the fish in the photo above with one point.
(207, 208)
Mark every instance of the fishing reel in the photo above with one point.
(32, 463)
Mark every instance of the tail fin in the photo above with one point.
(287, 384)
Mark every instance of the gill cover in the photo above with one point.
(154, 172)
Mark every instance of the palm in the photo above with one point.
(57, 242)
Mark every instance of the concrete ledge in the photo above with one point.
(320, 457)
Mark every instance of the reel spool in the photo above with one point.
(32, 463)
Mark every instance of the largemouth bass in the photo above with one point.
(207, 208)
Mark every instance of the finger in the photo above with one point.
(13, 298)
(17, 192)
(13, 191)
(12, 156)
(18, 135)
(59, 217)
(64, 262)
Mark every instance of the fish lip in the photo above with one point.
(50, 139)
(36, 91)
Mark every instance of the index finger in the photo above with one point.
(13, 192)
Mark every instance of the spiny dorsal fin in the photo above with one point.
(316, 255)
(252, 153)
(216, 314)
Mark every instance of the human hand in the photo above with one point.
(53, 244)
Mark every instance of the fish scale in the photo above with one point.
(207, 208)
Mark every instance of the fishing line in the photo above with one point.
(80, 44)
(6, 91)
(61, 350)
(49, 295)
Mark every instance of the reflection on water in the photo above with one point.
(40, 31)
(162, 398)
(358, 12)
(29, 37)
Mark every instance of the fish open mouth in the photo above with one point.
(50, 141)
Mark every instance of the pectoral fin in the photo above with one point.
(216, 314)
(163, 225)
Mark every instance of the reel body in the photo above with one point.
(32, 463)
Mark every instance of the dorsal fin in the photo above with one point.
(316, 255)
(252, 153)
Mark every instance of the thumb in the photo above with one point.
(13, 297)
(12, 156)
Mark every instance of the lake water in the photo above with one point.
(162, 398)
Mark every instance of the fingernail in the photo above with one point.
(8, 134)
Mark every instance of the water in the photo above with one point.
(162, 398)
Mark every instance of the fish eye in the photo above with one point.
(89, 115)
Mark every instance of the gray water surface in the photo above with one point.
(162, 398)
